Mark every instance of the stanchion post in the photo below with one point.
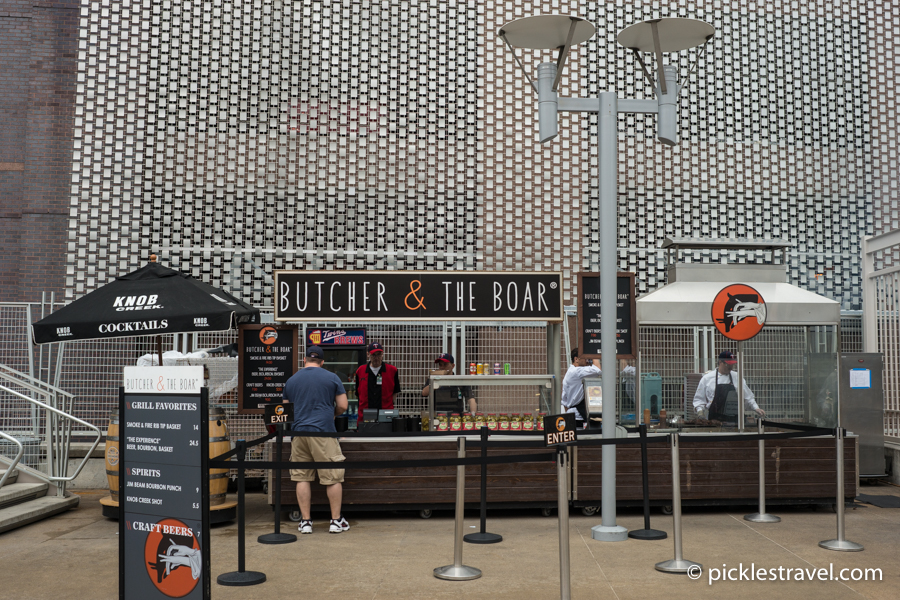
(241, 577)
(278, 537)
(678, 564)
(483, 537)
(762, 516)
(646, 533)
(562, 503)
(840, 544)
(458, 571)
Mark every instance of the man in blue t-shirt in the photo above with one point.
(318, 397)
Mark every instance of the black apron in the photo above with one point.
(717, 408)
(582, 409)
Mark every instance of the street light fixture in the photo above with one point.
(657, 36)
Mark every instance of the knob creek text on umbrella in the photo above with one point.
(152, 300)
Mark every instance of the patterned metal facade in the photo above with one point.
(236, 138)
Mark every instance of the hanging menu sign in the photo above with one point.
(589, 337)
(163, 484)
(268, 358)
(417, 295)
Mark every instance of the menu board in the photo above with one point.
(163, 484)
(589, 336)
(268, 358)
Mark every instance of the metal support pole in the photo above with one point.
(562, 502)
(277, 537)
(678, 564)
(762, 516)
(241, 577)
(458, 571)
(483, 537)
(607, 117)
(646, 533)
(740, 390)
(840, 544)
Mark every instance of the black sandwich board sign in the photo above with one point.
(589, 315)
(163, 484)
(267, 359)
(417, 295)
(560, 429)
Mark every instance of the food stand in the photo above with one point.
(791, 366)
(487, 300)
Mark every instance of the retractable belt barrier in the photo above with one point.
(558, 455)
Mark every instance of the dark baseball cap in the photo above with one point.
(315, 352)
(375, 347)
(448, 358)
(728, 358)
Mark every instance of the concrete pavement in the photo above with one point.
(392, 555)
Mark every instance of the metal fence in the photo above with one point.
(775, 364)
(881, 304)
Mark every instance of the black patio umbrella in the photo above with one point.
(154, 300)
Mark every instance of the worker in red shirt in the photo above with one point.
(377, 382)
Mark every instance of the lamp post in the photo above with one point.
(658, 36)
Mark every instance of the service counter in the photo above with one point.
(798, 471)
(514, 484)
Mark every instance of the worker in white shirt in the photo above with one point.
(573, 390)
(715, 388)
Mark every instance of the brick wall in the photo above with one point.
(38, 50)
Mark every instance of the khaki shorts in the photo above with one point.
(317, 449)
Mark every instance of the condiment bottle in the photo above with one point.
(515, 422)
(455, 423)
(504, 422)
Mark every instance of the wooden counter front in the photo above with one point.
(797, 470)
(433, 487)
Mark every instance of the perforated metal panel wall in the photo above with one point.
(236, 138)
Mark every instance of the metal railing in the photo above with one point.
(12, 465)
(46, 422)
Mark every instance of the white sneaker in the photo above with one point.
(305, 526)
(339, 525)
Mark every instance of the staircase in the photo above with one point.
(35, 445)
(24, 500)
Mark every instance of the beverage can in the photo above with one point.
(473, 369)
(507, 368)
(497, 369)
(479, 369)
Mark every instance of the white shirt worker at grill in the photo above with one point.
(573, 390)
(715, 389)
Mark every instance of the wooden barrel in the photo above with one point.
(112, 454)
(218, 444)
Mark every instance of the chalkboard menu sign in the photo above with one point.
(163, 484)
(589, 315)
(268, 358)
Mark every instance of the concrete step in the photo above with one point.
(12, 476)
(17, 493)
(34, 510)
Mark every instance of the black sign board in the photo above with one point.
(589, 315)
(268, 358)
(559, 429)
(163, 484)
(432, 295)
(279, 414)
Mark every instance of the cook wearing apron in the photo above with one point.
(724, 389)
